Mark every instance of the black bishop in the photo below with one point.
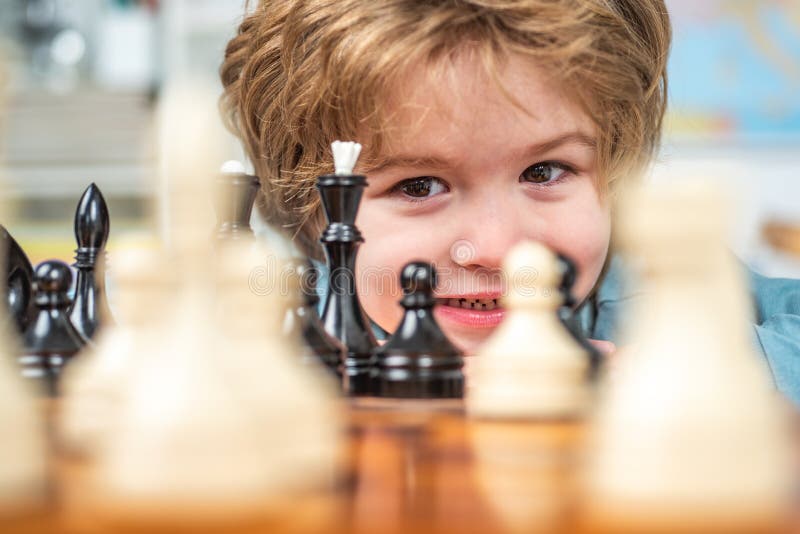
(92, 225)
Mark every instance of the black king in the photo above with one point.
(343, 316)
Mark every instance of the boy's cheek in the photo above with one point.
(589, 251)
(379, 263)
(585, 237)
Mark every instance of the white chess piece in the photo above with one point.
(94, 385)
(22, 447)
(531, 367)
(267, 366)
(219, 420)
(690, 427)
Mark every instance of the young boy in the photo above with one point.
(483, 123)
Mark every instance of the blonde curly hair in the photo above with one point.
(301, 73)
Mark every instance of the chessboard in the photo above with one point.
(409, 466)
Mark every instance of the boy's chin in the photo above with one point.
(468, 340)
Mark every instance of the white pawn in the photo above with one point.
(690, 432)
(94, 386)
(23, 450)
(531, 367)
(185, 445)
(216, 422)
(294, 403)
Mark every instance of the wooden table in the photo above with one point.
(412, 466)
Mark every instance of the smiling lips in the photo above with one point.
(479, 311)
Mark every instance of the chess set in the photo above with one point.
(202, 405)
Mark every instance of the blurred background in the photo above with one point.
(84, 77)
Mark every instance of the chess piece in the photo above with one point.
(234, 198)
(531, 367)
(566, 312)
(93, 386)
(267, 369)
(343, 316)
(92, 225)
(19, 279)
(690, 434)
(220, 424)
(50, 341)
(304, 318)
(23, 474)
(418, 361)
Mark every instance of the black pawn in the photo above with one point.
(566, 313)
(324, 347)
(234, 197)
(92, 225)
(19, 282)
(51, 340)
(419, 361)
(343, 316)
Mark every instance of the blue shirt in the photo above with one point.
(776, 329)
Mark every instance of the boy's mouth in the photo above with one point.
(473, 311)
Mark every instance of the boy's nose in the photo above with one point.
(487, 237)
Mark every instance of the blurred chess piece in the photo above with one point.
(690, 434)
(566, 312)
(89, 308)
(23, 471)
(19, 280)
(532, 366)
(220, 426)
(50, 342)
(94, 385)
(531, 370)
(303, 318)
(295, 404)
(23, 445)
(234, 198)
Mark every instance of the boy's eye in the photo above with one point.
(544, 173)
(421, 187)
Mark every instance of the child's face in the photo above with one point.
(469, 176)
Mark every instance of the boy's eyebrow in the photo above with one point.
(436, 162)
(576, 137)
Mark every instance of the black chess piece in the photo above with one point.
(419, 361)
(343, 316)
(51, 340)
(566, 313)
(305, 319)
(19, 282)
(89, 308)
(234, 197)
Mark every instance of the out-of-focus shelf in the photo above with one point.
(59, 181)
(55, 145)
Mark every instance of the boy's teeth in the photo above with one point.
(473, 304)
